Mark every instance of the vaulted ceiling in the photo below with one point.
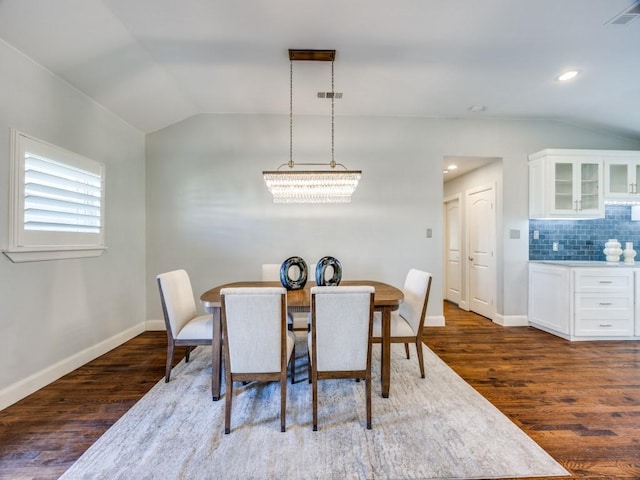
(157, 62)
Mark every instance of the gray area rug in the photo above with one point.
(433, 428)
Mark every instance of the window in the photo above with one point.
(57, 200)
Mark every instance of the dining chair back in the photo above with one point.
(271, 273)
(258, 346)
(185, 327)
(407, 323)
(340, 338)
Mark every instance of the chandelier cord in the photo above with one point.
(290, 113)
(333, 95)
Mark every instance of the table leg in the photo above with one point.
(386, 352)
(216, 355)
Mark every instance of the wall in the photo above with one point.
(57, 315)
(209, 212)
(583, 239)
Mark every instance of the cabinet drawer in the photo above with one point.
(604, 315)
(619, 279)
(604, 328)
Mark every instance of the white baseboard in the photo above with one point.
(511, 320)
(33, 383)
(434, 321)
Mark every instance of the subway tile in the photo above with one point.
(582, 239)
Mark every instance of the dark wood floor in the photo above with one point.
(580, 401)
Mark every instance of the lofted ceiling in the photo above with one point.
(157, 62)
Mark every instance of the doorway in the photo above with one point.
(453, 250)
(469, 234)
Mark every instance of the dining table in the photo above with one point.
(386, 299)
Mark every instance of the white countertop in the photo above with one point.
(586, 263)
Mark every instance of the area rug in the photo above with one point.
(433, 428)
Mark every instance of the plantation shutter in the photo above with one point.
(60, 197)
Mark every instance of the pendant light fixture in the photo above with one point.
(329, 185)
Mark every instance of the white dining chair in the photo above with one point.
(295, 320)
(340, 338)
(185, 327)
(258, 346)
(408, 321)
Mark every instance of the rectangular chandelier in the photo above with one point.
(312, 186)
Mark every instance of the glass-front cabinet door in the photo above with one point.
(577, 187)
(563, 198)
(567, 183)
(590, 193)
(621, 178)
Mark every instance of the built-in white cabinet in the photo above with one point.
(566, 184)
(584, 303)
(604, 302)
(550, 298)
(622, 176)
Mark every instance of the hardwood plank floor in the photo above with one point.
(580, 401)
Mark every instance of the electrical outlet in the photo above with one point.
(554, 247)
(536, 234)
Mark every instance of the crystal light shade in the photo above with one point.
(312, 186)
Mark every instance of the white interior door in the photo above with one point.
(453, 251)
(481, 247)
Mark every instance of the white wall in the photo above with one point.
(56, 315)
(209, 212)
(208, 209)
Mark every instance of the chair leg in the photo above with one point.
(293, 365)
(186, 357)
(167, 371)
(283, 401)
(227, 407)
(420, 357)
(368, 398)
(406, 350)
(314, 395)
(309, 367)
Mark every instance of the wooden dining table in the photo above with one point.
(386, 299)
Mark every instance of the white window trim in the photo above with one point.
(43, 246)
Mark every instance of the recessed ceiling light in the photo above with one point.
(452, 167)
(445, 171)
(477, 108)
(566, 76)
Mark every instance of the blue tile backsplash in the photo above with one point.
(583, 239)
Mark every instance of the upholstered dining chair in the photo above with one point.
(271, 273)
(340, 338)
(408, 321)
(185, 328)
(258, 346)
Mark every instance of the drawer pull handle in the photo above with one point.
(606, 325)
(605, 303)
(606, 281)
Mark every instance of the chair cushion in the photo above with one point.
(201, 327)
(399, 326)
